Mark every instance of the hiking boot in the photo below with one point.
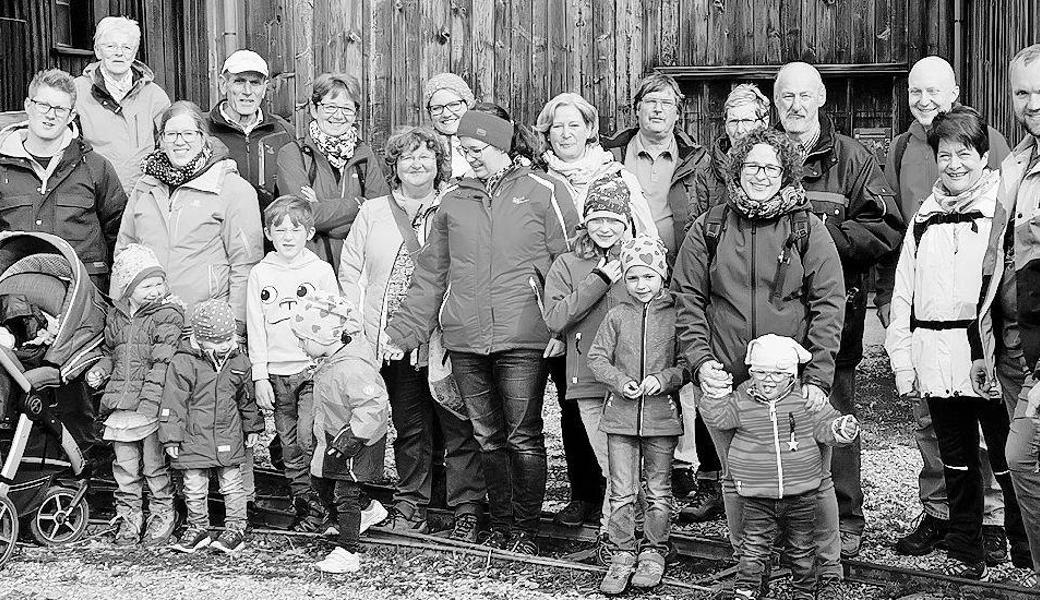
(311, 516)
(129, 531)
(574, 514)
(850, 544)
(374, 513)
(1021, 556)
(684, 482)
(622, 564)
(398, 521)
(929, 534)
(953, 567)
(464, 529)
(494, 538)
(829, 588)
(231, 540)
(193, 540)
(160, 529)
(649, 570)
(522, 542)
(994, 545)
(604, 551)
(706, 504)
(339, 561)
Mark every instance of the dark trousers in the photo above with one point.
(846, 460)
(956, 422)
(794, 518)
(503, 393)
(294, 423)
(708, 457)
(342, 498)
(418, 418)
(583, 471)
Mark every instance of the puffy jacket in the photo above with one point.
(723, 303)
(80, 201)
(937, 289)
(256, 152)
(206, 233)
(124, 131)
(849, 192)
(138, 351)
(577, 299)
(633, 343)
(340, 196)
(350, 398)
(207, 411)
(775, 451)
(484, 264)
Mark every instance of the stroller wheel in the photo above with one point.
(58, 520)
(8, 529)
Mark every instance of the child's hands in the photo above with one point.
(95, 378)
(611, 268)
(651, 385)
(815, 398)
(173, 451)
(308, 194)
(264, 394)
(715, 381)
(388, 351)
(631, 389)
(845, 429)
(252, 439)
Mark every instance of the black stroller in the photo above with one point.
(55, 317)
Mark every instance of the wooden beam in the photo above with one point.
(702, 72)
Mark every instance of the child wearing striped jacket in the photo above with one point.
(776, 461)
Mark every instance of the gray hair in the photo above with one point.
(117, 25)
(747, 93)
(1025, 56)
(588, 112)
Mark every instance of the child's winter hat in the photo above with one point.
(647, 251)
(213, 321)
(447, 81)
(132, 266)
(324, 318)
(608, 197)
(772, 352)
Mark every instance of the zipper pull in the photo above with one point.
(577, 342)
(772, 411)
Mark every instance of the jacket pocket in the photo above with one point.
(828, 205)
(77, 223)
(16, 212)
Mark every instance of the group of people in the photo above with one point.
(681, 297)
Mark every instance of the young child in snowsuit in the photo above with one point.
(634, 354)
(776, 461)
(142, 332)
(208, 417)
(350, 416)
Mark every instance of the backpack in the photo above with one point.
(941, 219)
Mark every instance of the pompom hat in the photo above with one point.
(608, 197)
(132, 266)
(646, 251)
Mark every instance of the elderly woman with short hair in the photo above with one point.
(447, 97)
(332, 167)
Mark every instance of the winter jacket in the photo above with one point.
(80, 200)
(633, 342)
(849, 192)
(484, 264)
(714, 176)
(208, 411)
(687, 189)
(138, 350)
(937, 289)
(724, 303)
(274, 287)
(350, 398)
(206, 232)
(256, 152)
(577, 299)
(775, 451)
(124, 131)
(340, 194)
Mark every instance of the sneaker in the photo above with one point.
(522, 542)
(494, 538)
(339, 561)
(464, 528)
(604, 551)
(1030, 581)
(374, 513)
(231, 540)
(312, 516)
(740, 594)
(649, 570)
(706, 504)
(684, 482)
(160, 529)
(398, 521)
(1021, 557)
(829, 588)
(193, 540)
(574, 514)
(129, 531)
(850, 544)
(953, 567)
(929, 535)
(618, 574)
(994, 545)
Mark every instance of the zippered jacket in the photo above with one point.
(255, 153)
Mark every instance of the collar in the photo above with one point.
(642, 146)
(233, 121)
(810, 144)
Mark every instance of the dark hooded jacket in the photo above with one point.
(256, 153)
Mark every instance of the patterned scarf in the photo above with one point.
(966, 199)
(781, 202)
(158, 165)
(336, 149)
(492, 182)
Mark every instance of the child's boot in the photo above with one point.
(622, 564)
(311, 514)
(340, 561)
(129, 531)
(649, 570)
(160, 529)
(230, 541)
(194, 539)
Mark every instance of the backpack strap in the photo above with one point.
(799, 237)
(714, 223)
(306, 151)
(941, 219)
(898, 151)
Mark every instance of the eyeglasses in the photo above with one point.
(661, 103)
(417, 157)
(43, 108)
(745, 123)
(111, 48)
(752, 170)
(770, 375)
(189, 137)
(437, 110)
(472, 152)
(331, 109)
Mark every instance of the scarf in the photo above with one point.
(158, 165)
(963, 201)
(583, 171)
(492, 182)
(336, 149)
(118, 88)
(788, 197)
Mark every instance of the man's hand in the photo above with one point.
(95, 379)
(651, 385)
(387, 350)
(173, 451)
(555, 347)
(631, 389)
(814, 397)
(308, 194)
(715, 381)
(884, 314)
(981, 383)
(264, 394)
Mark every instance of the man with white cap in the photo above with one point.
(252, 136)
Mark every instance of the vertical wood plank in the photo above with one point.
(652, 28)
(540, 91)
(378, 47)
(808, 50)
(605, 94)
(791, 34)
(889, 31)
(843, 10)
(671, 31)
(303, 59)
(699, 15)
(559, 46)
(435, 43)
(483, 28)
(772, 30)
(581, 20)
(407, 99)
(461, 39)
(397, 94)
(717, 34)
(502, 94)
(825, 31)
(522, 104)
(862, 31)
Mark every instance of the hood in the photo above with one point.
(303, 259)
(13, 136)
(141, 73)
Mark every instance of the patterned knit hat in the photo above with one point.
(608, 197)
(213, 321)
(447, 81)
(132, 266)
(772, 352)
(647, 251)
(323, 318)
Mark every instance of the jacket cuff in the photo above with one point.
(602, 275)
(260, 372)
(904, 382)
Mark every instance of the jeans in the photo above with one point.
(956, 421)
(686, 453)
(846, 461)
(583, 471)
(417, 417)
(294, 423)
(1023, 458)
(503, 393)
(196, 496)
(710, 462)
(794, 517)
(136, 464)
(342, 498)
(633, 459)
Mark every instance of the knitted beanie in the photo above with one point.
(487, 128)
(647, 251)
(213, 321)
(132, 266)
(323, 318)
(772, 352)
(608, 197)
(447, 81)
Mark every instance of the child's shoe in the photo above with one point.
(464, 529)
(193, 540)
(522, 542)
(493, 538)
(340, 561)
(618, 574)
(965, 570)
(129, 532)
(230, 541)
(398, 521)
(311, 514)
(829, 588)
(649, 570)
(160, 529)
(374, 513)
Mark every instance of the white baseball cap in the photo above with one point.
(245, 61)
